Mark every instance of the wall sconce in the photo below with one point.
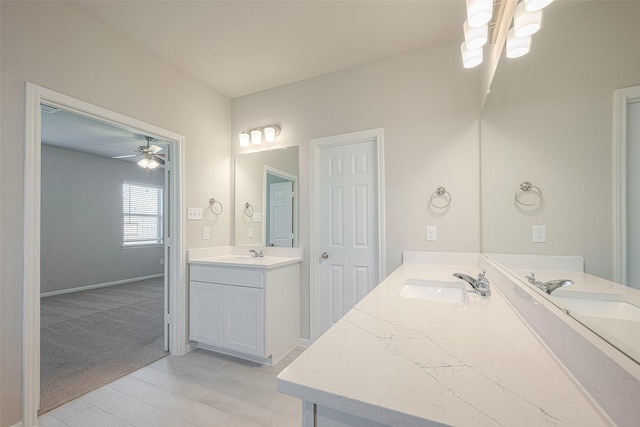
(255, 136)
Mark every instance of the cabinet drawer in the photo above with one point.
(227, 276)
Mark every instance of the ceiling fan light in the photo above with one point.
(244, 139)
(269, 134)
(144, 163)
(526, 23)
(256, 137)
(153, 164)
(534, 5)
(517, 46)
(470, 57)
(479, 12)
(475, 37)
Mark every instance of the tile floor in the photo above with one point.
(201, 388)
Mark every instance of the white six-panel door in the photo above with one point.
(281, 214)
(349, 223)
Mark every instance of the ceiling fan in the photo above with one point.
(152, 156)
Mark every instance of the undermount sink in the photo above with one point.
(435, 290)
(610, 306)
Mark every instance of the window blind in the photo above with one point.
(142, 209)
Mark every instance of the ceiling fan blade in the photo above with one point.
(154, 149)
(159, 160)
(122, 157)
(159, 155)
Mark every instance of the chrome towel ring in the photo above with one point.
(248, 209)
(440, 192)
(524, 188)
(215, 206)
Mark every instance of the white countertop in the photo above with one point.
(239, 256)
(402, 360)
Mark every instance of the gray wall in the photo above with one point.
(58, 46)
(81, 235)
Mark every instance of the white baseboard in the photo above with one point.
(98, 285)
(18, 424)
(304, 342)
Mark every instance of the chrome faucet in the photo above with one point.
(549, 286)
(256, 253)
(479, 285)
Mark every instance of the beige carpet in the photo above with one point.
(91, 338)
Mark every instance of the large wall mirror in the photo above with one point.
(266, 202)
(548, 120)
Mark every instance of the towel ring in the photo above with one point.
(524, 188)
(248, 209)
(440, 192)
(212, 203)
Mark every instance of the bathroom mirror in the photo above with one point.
(548, 120)
(265, 207)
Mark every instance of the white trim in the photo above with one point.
(315, 146)
(98, 285)
(304, 342)
(174, 244)
(621, 98)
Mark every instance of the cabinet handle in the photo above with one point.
(324, 255)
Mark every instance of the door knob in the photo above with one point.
(324, 255)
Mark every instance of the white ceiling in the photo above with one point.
(241, 47)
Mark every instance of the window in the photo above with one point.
(142, 209)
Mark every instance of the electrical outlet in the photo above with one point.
(194, 214)
(205, 233)
(250, 233)
(539, 234)
(431, 232)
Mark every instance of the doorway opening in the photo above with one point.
(174, 312)
(280, 189)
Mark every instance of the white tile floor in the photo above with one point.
(199, 389)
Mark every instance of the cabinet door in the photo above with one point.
(244, 320)
(205, 312)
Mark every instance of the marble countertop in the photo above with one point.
(240, 257)
(404, 361)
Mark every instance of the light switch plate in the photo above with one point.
(257, 217)
(194, 214)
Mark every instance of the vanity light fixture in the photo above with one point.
(255, 136)
(470, 57)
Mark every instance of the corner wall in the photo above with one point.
(427, 104)
(58, 46)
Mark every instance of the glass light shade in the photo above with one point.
(244, 139)
(144, 163)
(256, 137)
(470, 57)
(517, 46)
(479, 12)
(148, 163)
(475, 37)
(153, 164)
(534, 5)
(526, 23)
(269, 134)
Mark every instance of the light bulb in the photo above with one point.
(470, 57)
(475, 37)
(517, 46)
(479, 12)
(256, 137)
(526, 23)
(244, 139)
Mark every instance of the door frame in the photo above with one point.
(315, 223)
(621, 98)
(174, 244)
(270, 170)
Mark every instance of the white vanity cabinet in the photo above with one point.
(248, 311)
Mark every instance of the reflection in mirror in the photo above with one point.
(549, 120)
(266, 198)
